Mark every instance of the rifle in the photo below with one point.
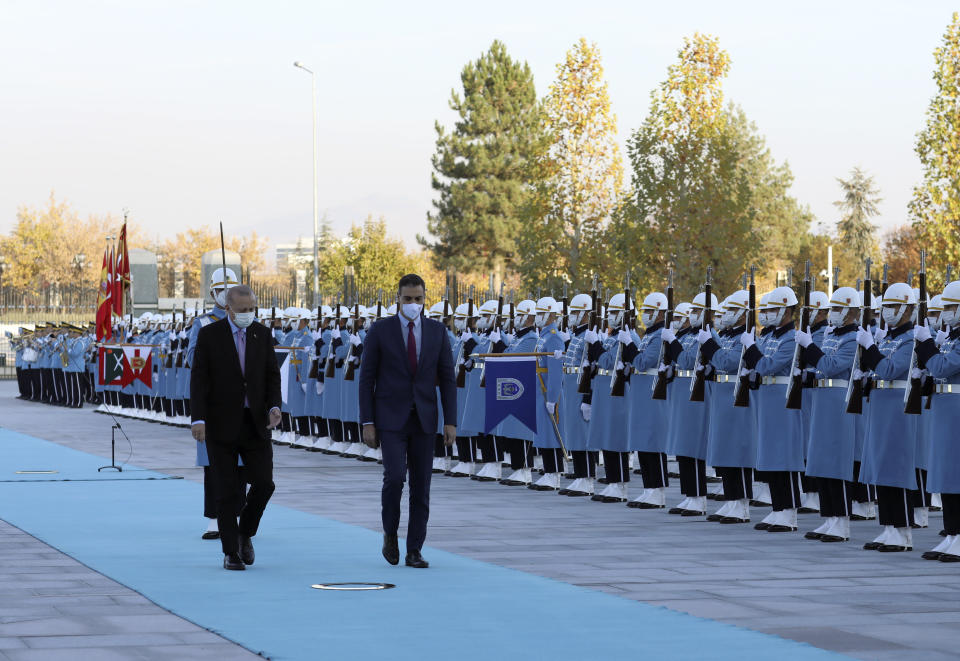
(855, 389)
(741, 394)
(698, 384)
(564, 324)
(836, 279)
(586, 371)
(913, 393)
(618, 381)
(461, 364)
(797, 366)
(660, 384)
(330, 370)
(351, 365)
(379, 304)
(499, 328)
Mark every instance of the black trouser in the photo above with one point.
(951, 513)
(489, 452)
(36, 384)
(835, 497)
(335, 427)
(257, 457)
(319, 426)
(552, 460)
(616, 466)
(210, 491)
(893, 507)
(46, 375)
(859, 491)
(59, 386)
(693, 477)
(302, 425)
(653, 468)
(737, 482)
(518, 453)
(351, 432)
(286, 423)
(465, 449)
(74, 389)
(809, 484)
(784, 489)
(920, 497)
(585, 463)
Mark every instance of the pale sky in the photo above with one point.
(189, 113)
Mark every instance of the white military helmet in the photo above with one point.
(895, 301)
(326, 312)
(950, 300)
(391, 311)
(436, 310)
(680, 314)
(220, 281)
(615, 309)
(779, 300)
(845, 298)
(818, 301)
(546, 306)
(487, 312)
(346, 311)
(697, 307)
(523, 309)
(578, 310)
(653, 304)
(459, 316)
(291, 314)
(934, 309)
(734, 307)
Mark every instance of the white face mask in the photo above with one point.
(573, 319)
(949, 317)
(891, 315)
(835, 317)
(243, 319)
(540, 320)
(729, 318)
(459, 324)
(613, 319)
(411, 310)
(777, 316)
(220, 296)
(648, 317)
(696, 319)
(676, 324)
(764, 318)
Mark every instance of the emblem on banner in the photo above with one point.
(509, 389)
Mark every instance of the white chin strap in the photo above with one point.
(778, 317)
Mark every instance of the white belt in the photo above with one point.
(832, 383)
(650, 372)
(571, 370)
(881, 384)
(726, 378)
(685, 374)
(605, 372)
(775, 380)
(948, 388)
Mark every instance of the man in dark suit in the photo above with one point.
(405, 359)
(234, 400)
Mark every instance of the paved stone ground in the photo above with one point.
(835, 596)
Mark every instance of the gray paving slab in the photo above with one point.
(835, 596)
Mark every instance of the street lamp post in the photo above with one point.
(316, 213)
(3, 266)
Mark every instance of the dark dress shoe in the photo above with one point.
(675, 510)
(777, 527)
(714, 517)
(232, 561)
(757, 503)
(932, 555)
(871, 546)
(649, 506)
(813, 535)
(563, 492)
(942, 533)
(806, 510)
(948, 557)
(761, 526)
(691, 513)
(859, 517)
(916, 526)
(733, 519)
(576, 494)
(833, 538)
(246, 550)
(894, 548)
(597, 497)
(414, 559)
(611, 499)
(211, 534)
(391, 550)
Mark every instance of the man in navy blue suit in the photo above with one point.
(406, 358)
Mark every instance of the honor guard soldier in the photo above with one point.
(889, 452)
(832, 445)
(647, 417)
(472, 424)
(819, 309)
(350, 387)
(461, 346)
(517, 438)
(220, 281)
(607, 415)
(321, 340)
(76, 349)
(572, 423)
(312, 399)
(940, 356)
(301, 339)
(779, 429)
(336, 353)
(549, 388)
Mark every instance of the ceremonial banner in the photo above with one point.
(110, 366)
(137, 365)
(121, 274)
(104, 302)
(511, 390)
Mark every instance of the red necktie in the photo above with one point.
(411, 349)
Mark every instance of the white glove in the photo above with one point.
(315, 335)
(804, 339)
(703, 336)
(879, 335)
(864, 338)
(619, 365)
(827, 330)
(921, 333)
(668, 335)
(303, 388)
(916, 373)
(564, 335)
(590, 336)
(551, 407)
(942, 336)
(747, 339)
(624, 337)
(319, 387)
(355, 340)
(173, 336)
(585, 412)
(494, 336)
(355, 360)
(459, 363)
(183, 335)
(558, 354)
(465, 335)
(508, 338)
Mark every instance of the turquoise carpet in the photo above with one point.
(142, 533)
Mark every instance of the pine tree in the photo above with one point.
(856, 234)
(579, 181)
(935, 206)
(482, 167)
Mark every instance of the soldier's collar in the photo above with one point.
(899, 330)
(767, 330)
(817, 326)
(684, 331)
(651, 329)
(779, 332)
(955, 332)
(843, 330)
(524, 331)
(580, 330)
(736, 330)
